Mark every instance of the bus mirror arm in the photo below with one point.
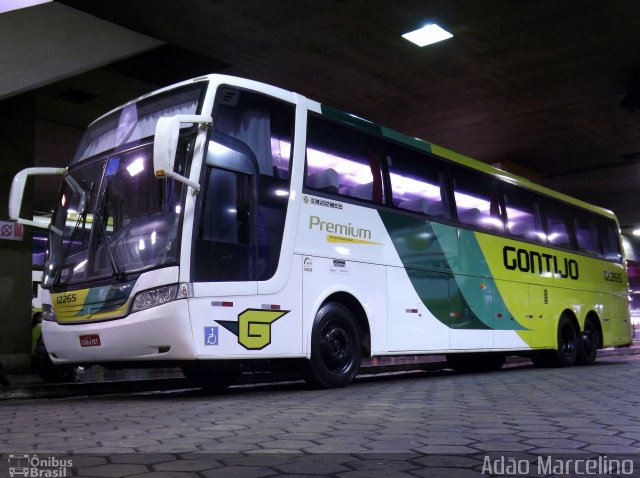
(166, 145)
(17, 192)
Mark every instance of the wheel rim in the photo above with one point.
(567, 342)
(336, 347)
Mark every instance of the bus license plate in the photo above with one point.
(89, 341)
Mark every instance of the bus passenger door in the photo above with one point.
(238, 231)
(225, 241)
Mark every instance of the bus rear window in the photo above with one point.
(609, 239)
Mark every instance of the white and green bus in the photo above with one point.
(222, 223)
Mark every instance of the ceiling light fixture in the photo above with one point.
(8, 5)
(427, 35)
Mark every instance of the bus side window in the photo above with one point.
(417, 181)
(559, 228)
(344, 161)
(524, 219)
(255, 126)
(586, 233)
(477, 199)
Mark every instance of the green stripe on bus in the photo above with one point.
(353, 120)
(415, 143)
(429, 254)
(476, 264)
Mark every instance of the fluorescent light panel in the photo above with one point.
(8, 5)
(427, 35)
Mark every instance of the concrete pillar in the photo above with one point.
(17, 136)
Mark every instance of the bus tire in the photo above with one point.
(588, 344)
(566, 353)
(335, 348)
(212, 377)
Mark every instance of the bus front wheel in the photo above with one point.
(335, 348)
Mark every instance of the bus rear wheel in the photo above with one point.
(335, 348)
(567, 352)
(588, 344)
(211, 376)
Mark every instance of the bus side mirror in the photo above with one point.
(17, 192)
(166, 145)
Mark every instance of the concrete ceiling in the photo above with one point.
(537, 84)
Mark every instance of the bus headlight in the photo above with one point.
(48, 313)
(161, 295)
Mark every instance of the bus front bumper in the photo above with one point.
(160, 333)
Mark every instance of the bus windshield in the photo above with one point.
(136, 121)
(113, 217)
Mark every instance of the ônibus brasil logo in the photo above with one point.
(40, 467)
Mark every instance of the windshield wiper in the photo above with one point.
(118, 273)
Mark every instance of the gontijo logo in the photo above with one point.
(539, 263)
(253, 327)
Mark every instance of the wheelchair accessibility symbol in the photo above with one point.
(211, 336)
